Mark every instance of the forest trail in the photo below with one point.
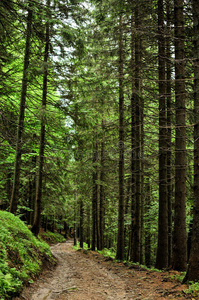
(86, 276)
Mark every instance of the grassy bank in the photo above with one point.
(21, 255)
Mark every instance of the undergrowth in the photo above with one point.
(52, 238)
(179, 277)
(21, 255)
(77, 247)
(193, 288)
(108, 253)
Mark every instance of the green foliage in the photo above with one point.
(21, 254)
(179, 277)
(52, 238)
(108, 252)
(77, 247)
(193, 288)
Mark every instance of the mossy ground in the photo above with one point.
(52, 238)
(21, 255)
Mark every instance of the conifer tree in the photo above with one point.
(162, 250)
(120, 238)
(179, 234)
(37, 215)
(193, 266)
(20, 128)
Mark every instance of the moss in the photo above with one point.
(21, 255)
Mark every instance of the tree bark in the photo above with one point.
(179, 233)
(75, 221)
(94, 199)
(81, 223)
(148, 225)
(193, 266)
(162, 250)
(169, 114)
(120, 237)
(102, 196)
(132, 239)
(126, 212)
(88, 227)
(136, 141)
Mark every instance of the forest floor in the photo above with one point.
(86, 275)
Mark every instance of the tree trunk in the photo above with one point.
(94, 199)
(141, 158)
(37, 215)
(75, 222)
(126, 212)
(148, 225)
(169, 109)
(81, 223)
(137, 141)
(88, 227)
(132, 239)
(120, 237)
(102, 196)
(179, 233)
(162, 250)
(193, 267)
(20, 128)
(97, 205)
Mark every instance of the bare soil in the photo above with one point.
(86, 275)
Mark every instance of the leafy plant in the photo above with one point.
(193, 288)
(179, 277)
(77, 247)
(108, 253)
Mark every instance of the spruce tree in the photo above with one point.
(180, 234)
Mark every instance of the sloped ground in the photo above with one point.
(90, 276)
(22, 255)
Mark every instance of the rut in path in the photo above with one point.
(81, 276)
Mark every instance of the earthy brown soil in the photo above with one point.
(86, 275)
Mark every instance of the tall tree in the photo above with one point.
(102, 193)
(193, 266)
(169, 116)
(137, 130)
(37, 216)
(136, 136)
(162, 251)
(179, 233)
(132, 237)
(20, 128)
(81, 223)
(120, 238)
(94, 196)
(148, 224)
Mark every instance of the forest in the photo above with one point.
(99, 125)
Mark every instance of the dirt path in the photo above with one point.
(90, 276)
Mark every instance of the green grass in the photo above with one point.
(21, 255)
